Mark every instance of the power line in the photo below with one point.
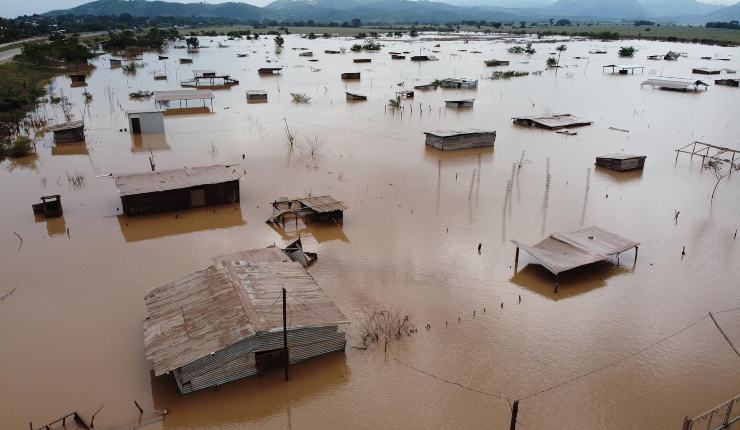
(676, 333)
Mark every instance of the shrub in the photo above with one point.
(300, 98)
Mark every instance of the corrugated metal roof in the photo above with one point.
(673, 83)
(565, 251)
(556, 121)
(66, 126)
(323, 204)
(211, 309)
(151, 182)
(621, 156)
(169, 96)
(451, 133)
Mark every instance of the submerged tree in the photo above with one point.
(721, 169)
(627, 51)
(552, 62)
(279, 41)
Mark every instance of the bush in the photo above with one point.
(300, 98)
(18, 147)
(627, 51)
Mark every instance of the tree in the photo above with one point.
(356, 22)
(413, 33)
(721, 169)
(192, 42)
(552, 62)
(627, 51)
(563, 22)
(279, 41)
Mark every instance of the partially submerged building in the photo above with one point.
(209, 79)
(308, 208)
(355, 96)
(50, 206)
(269, 71)
(561, 252)
(728, 82)
(496, 63)
(671, 56)
(186, 60)
(446, 140)
(398, 57)
(621, 162)
(675, 84)
(459, 83)
(306, 54)
(463, 103)
(349, 76)
(424, 58)
(115, 63)
(145, 121)
(77, 80)
(623, 69)
(225, 322)
(706, 71)
(177, 189)
(256, 96)
(551, 122)
(164, 98)
(361, 60)
(70, 131)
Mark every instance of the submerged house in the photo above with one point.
(671, 56)
(350, 76)
(71, 131)
(77, 80)
(171, 190)
(551, 122)
(115, 63)
(355, 96)
(145, 121)
(225, 322)
(314, 208)
(186, 60)
(459, 83)
(269, 71)
(424, 58)
(496, 63)
(460, 139)
(621, 162)
(728, 82)
(675, 84)
(256, 96)
(464, 103)
(361, 60)
(623, 69)
(706, 71)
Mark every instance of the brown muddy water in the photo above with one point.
(71, 331)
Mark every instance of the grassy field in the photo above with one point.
(624, 31)
(20, 85)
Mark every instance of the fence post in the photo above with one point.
(514, 412)
(686, 424)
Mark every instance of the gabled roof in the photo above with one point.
(565, 251)
(152, 182)
(238, 296)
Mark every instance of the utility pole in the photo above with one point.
(514, 412)
(285, 336)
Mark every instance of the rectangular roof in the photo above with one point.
(168, 96)
(152, 110)
(152, 182)
(451, 133)
(556, 121)
(323, 204)
(66, 126)
(623, 66)
(621, 156)
(238, 296)
(565, 251)
(673, 83)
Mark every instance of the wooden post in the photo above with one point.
(285, 336)
(516, 259)
(637, 248)
(728, 414)
(686, 424)
(514, 412)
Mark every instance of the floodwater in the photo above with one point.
(71, 330)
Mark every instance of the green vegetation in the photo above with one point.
(395, 103)
(518, 49)
(152, 39)
(19, 146)
(130, 68)
(193, 42)
(141, 95)
(67, 51)
(279, 41)
(732, 25)
(627, 51)
(508, 74)
(300, 98)
(552, 62)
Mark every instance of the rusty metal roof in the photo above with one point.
(152, 182)
(323, 204)
(556, 121)
(66, 126)
(230, 301)
(463, 132)
(565, 251)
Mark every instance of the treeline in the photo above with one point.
(732, 25)
(155, 38)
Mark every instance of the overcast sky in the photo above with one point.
(13, 8)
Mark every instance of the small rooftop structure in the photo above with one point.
(331, 51)
(115, 62)
(405, 94)
(424, 58)
(269, 71)
(561, 252)
(225, 322)
(167, 190)
(429, 86)
(355, 96)
(623, 69)
(50, 206)
(351, 76)
(204, 73)
(496, 63)
(446, 140)
(361, 60)
(675, 84)
(621, 162)
(162, 57)
(77, 80)
(306, 54)
(145, 121)
(165, 97)
(210, 81)
(552, 122)
(459, 83)
(319, 207)
(671, 56)
(706, 71)
(71, 131)
(654, 57)
(398, 57)
(256, 96)
(728, 82)
(186, 60)
(464, 103)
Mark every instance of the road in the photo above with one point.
(10, 53)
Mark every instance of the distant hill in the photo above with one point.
(615, 9)
(728, 13)
(677, 8)
(238, 11)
